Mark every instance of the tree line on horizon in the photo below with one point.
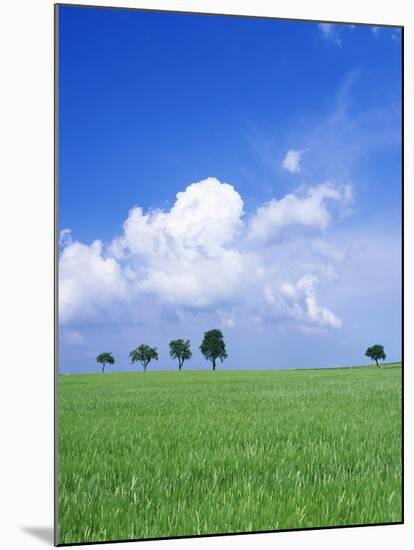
(212, 347)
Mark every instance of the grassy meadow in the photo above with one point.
(188, 453)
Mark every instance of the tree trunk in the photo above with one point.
(145, 367)
(214, 364)
(180, 364)
(376, 360)
(103, 368)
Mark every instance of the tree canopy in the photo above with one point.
(143, 353)
(180, 349)
(213, 346)
(105, 358)
(376, 352)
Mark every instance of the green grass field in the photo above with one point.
(188, 453)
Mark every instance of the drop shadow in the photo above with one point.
(42, 533)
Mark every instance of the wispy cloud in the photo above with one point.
(335, 33)
(72, 337)
(65, 237)
(331, 33)
(343, 133)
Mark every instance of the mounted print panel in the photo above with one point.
(229, 237)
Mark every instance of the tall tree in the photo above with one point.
(143, 354)
(213, 346)
(180, 349)
(105, 358)
(376, 352)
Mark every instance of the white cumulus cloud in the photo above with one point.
(291, 161)
(316, 313)
(88, 281)
(183, 255)
(206, 255)
(309, 210)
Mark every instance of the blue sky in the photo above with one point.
(283, 139)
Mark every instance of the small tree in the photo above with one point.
(105, 358)
(180, 349)
(143, 354)
(376, 352)
(213, 346)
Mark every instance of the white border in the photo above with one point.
(26, 289)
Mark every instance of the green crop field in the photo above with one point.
(186, 453)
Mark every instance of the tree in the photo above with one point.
(105, 358)
(180, 349)
(213, 346)
(143, 354)
(376, 352)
